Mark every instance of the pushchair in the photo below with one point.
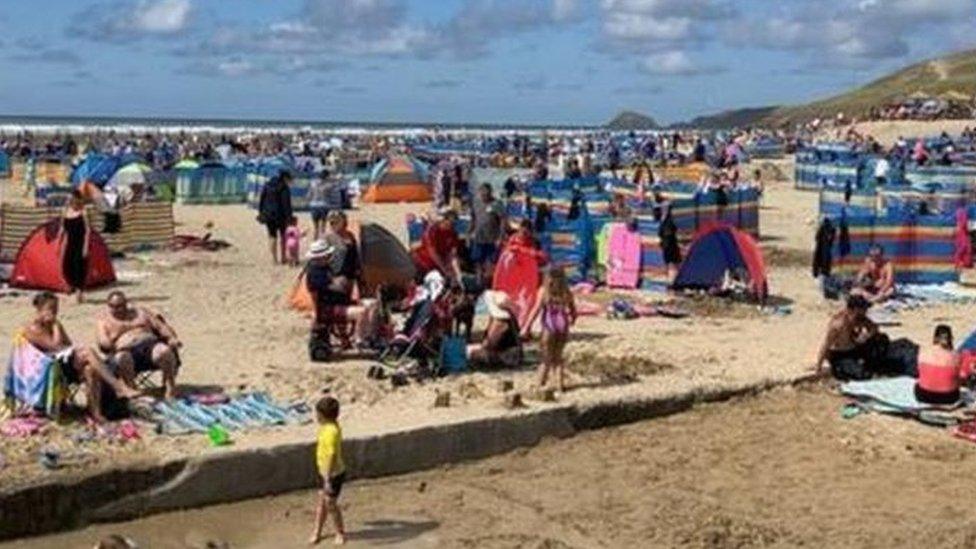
(416, 346)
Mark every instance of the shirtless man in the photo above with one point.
(847, 331)
(79, 363)
(139, 341)
(876, 279)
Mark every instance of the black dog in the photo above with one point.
(462, 312)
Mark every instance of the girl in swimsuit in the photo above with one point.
(558, 311)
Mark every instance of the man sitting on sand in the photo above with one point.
(847, 343)
(875, 281)
(78, 363)
(139, 340)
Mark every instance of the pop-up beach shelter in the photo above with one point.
(717, 250)
(38, 263)
(398, 179)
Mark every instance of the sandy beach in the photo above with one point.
(779, 470)
(229, 309)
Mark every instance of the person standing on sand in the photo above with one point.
(332, 470)
(554, 302)
(319, 203)
(487, 231)
(274, 212)
(75, 237)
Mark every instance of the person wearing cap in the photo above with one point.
(501, 345)
(439, 248)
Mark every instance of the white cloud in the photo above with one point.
(124, 21)
(640, 28)
(673, 63)
(235, 67)
(662, 32)
(162, 16)
(856, 33)
(564, 10)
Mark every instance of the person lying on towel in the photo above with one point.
(139, 340)
(78, 363)
(850, 341)
(876, 279)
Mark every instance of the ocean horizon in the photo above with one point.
(74, 123)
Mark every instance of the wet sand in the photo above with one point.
(779, 470)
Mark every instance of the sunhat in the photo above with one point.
(319, 248)
(497, 304)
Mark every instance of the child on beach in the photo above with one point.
(328, 458)
(555, 303)
(293, 241)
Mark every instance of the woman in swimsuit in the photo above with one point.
(938, 370)
(558, 310)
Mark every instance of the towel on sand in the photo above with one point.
(893, 395)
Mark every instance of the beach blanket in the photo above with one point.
(914, 296)
(896, 395)
(238, 413)
(33, 379)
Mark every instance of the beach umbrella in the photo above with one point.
(135, 173)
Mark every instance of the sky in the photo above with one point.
(455, 61)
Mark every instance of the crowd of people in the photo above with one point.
(925, 108)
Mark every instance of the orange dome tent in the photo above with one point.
(385, 261)
(398, 179)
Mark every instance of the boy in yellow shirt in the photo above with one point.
(328, 458)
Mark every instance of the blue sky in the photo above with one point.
(515, 61)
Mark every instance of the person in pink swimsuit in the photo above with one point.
(293, 242)
(557, 309)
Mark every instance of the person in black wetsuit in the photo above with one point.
(75, 236)
(274, 212)
(667, 232)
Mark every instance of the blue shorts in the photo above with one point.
(484, 253)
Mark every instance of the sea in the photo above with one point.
(89, 124)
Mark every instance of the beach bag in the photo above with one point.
(901, 358)
(454, 358)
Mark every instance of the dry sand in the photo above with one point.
(228, 307)
(888, 132)
(780, 470)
